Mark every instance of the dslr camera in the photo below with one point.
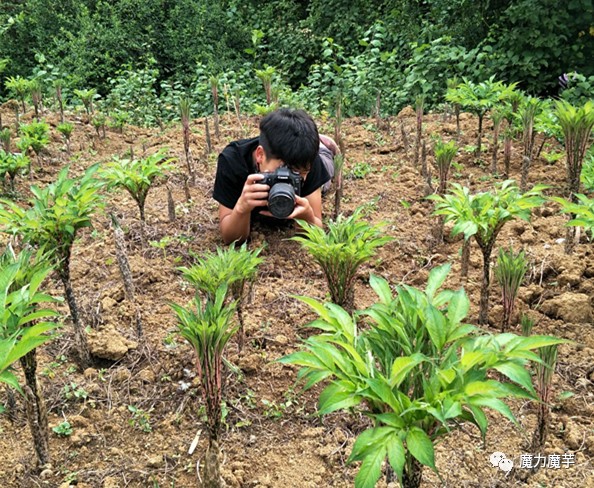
(284, 185)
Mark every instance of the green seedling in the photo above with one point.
(509, 273)
(63, 429)
(141, 419)
(233, 267)
(137, 176)
(66, 129)
(340, 252)
(208, 328)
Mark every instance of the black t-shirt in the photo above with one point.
(235, 164)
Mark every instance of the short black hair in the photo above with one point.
(290, 135)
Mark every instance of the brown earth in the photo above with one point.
(273, 437)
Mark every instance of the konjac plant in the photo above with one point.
(509, 273)
(137, 176)
(341, 250)
(233, 267)
(482, 216)
(51, 221)
(545, 369)
(12, 164)
(577, 124)
(208, 328)
(416, 369)
(479, 99)
(24, 327)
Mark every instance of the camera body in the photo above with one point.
(284, 185)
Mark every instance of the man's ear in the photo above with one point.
(260, 155)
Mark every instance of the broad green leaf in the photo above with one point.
(494, 404)
(516, 373)
(435, 324)
(436, 278)
(381, 288)
(371, 468)
(458, 306)
(336, 397)
(420, 446)
(401, 367)
(396, 454)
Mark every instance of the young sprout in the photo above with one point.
(528, 111)
(11, 165)
(58, 85)
(36, 93)
(137, 176)
(34, 136)
(444, 155)
(526, 325)
(208, 328)
(66, 129)
(185, 109)
(87, 97)
(19, 87)
(544, 382)
(233, 267)
(266, 76)
(576, 124)
(340, 252)
(5, 136)
(509, 272)
(214, 88)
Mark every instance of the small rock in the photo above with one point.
(573, 437)
(281, 340)
(110, 482)
(90, 373)
(46, 474)
(121, 375)
(250, 363)
(154, 461)
(108, 303)
(107, 343)
(147, 376)
(569, 307)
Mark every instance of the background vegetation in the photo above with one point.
(142, 51)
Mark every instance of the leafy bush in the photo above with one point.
(417, 371)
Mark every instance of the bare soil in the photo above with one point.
(272, 435)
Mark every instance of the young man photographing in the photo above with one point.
(288, 138)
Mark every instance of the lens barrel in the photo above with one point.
(281, 200)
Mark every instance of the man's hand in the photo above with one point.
(303, 210)
(253, 195)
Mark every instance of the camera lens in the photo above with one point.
(281, 200)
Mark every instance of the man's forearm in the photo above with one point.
(235, 226)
